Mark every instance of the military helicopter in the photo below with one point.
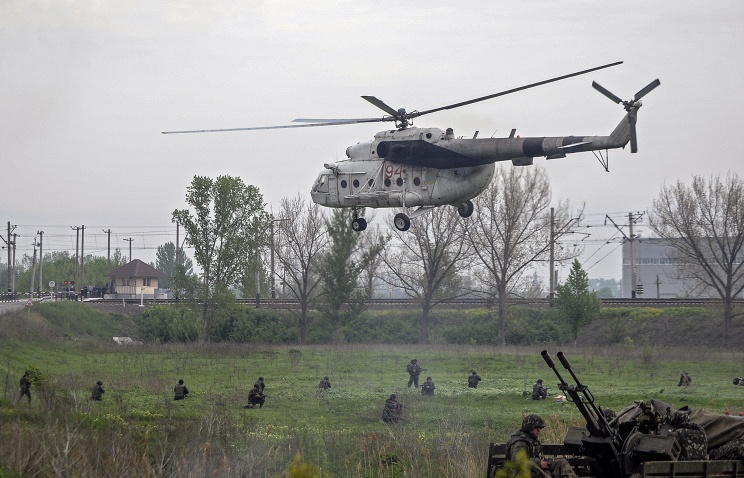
(423, 168)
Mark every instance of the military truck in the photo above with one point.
(637, 442)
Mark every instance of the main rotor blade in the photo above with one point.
(606, 92)
(305, 125)
(633, 137)
(387, 109)
(646, 90)
(513, 90)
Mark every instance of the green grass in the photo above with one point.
(138, 425)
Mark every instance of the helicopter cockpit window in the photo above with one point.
(321, 184)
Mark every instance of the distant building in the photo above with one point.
(658, 272)
(137, 280)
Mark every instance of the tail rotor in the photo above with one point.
(633, 104)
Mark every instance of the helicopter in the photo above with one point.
(423, 168)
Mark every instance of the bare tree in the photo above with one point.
(704, 225)
(302, 239)
(426, 260)
(511, 229)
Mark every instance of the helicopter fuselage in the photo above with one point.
(430, 167)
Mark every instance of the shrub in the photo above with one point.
(168, 323)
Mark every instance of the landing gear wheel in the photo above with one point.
(401, 221)
(465, 209)
(359, 224)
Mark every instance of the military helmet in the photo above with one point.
(260, 378)
(325, 378)
(414, 360)
(539, 380)
(180, 381)
(473, 372)
(392, 397)
(679, 418)
(99, 383)
(736, 380)
(428, 378)
(532, 421)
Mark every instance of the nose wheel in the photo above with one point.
(401, 222)
(465, 209)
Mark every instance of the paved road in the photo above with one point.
(6, 307)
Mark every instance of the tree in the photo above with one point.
(511, 230)
(575, 301)
(704, 225)
(426, 261)
(165, 262)
(340, 267)
(226, 227)
(302, 239)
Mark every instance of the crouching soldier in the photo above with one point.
(180, 391)
(256, 397)
(427, 388)
(97, 392)
(324, 384)
(392, 411)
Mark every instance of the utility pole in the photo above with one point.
(41, 262)
(178, 262)
(11, 272)
(633, 275)
(130, 248)
(82, 262)
(632, 219)
(15, 239)
(273, 286)
(552, 254)
(33, 271)
(77, 263)
(108, 257)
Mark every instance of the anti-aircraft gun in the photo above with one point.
(612, 450)
(638, 443)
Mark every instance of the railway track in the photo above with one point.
(462, 303)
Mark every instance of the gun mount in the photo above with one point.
(638, 442)
(613, 451)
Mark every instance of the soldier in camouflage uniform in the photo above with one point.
(526, 440)
(733, 450)
(392, 411)
(538, 391)
(427, 388)
(684, 380)
(414, 370)
(25, 387)
(473, 379)
(690, 436)
(97, 392)
(180, 391)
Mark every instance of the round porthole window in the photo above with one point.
(399, 182)
(356, 183)
(417, 181)
(344, 183)
(387, 182)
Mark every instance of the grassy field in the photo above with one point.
(139, 430)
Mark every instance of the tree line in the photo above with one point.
(313, 256)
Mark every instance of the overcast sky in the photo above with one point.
(87, 86)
